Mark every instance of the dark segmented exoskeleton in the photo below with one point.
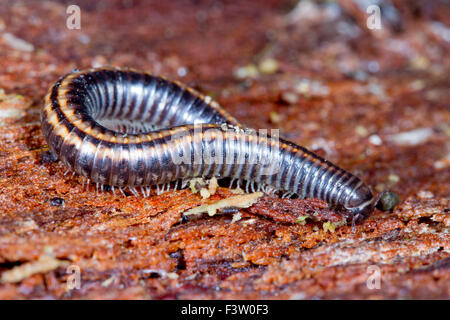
(125, 128)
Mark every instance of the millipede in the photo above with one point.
(125, 128)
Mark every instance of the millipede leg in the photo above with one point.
(134, 191)
(246, 186)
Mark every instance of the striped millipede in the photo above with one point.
(125, 128)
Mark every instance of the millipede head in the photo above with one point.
(361, 204)
(359, 214)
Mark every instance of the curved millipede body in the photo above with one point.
(125, 128)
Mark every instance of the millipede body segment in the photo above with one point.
(124, 128)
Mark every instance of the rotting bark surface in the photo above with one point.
(374, 102)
